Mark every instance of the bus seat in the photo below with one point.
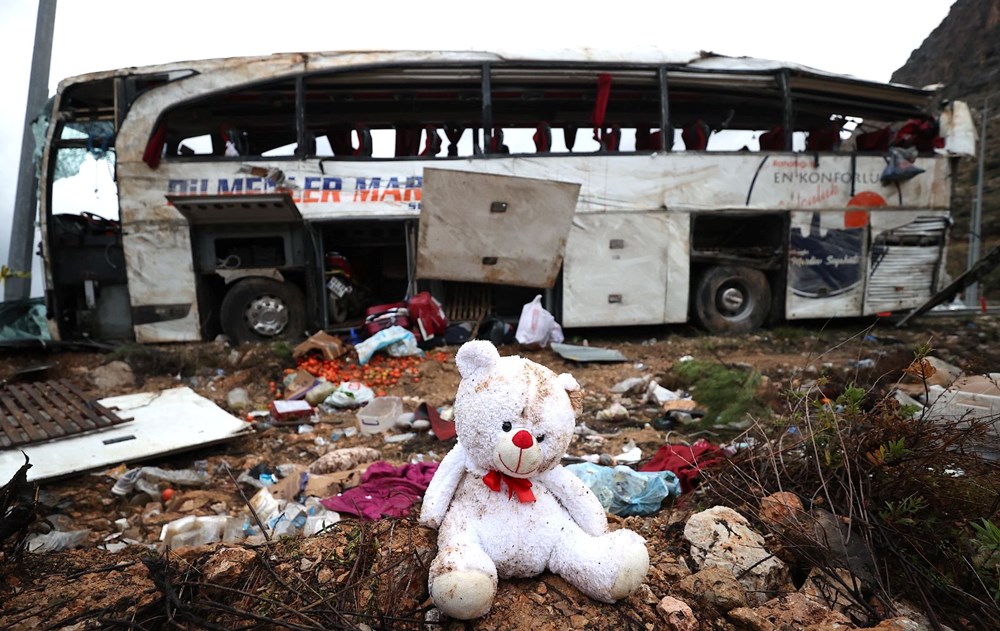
(364, 149)
(875, 140)
(696, 135)
(432, 146)
(922, 134)
(454, 134)
(154, 147)
(407, 141)
(569, 136)
(646, 140)
(826, 138)
(496, 142)
(340, 141)
(773, 139)
(610, 138)
(543, 138)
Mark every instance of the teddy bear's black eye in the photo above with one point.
(506, 426)
(540, 438)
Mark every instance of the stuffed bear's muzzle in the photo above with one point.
(517, 453)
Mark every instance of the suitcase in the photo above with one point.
(427, 316)
(378, 317)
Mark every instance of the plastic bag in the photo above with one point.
(397, 342)
(23, 320)
(537, 327)
(900, 167)
(147, 479)
(624, 491)
(349, 394)
(57, 540)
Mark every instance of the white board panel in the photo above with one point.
(162, 422)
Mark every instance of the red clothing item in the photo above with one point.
(385, 490)
(686, 461)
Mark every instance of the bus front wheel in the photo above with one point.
(731, 299)
(261, 310)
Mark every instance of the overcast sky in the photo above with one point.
(866, 38)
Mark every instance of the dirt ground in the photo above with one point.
(91, 587)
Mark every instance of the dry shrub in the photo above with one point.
(357, 573)
(900, 501)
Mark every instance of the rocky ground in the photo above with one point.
(373, 574)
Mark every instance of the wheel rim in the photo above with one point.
(266, 315)
(733, 300)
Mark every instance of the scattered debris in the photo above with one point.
(329, 346)
(157, 423)
(585, 354)
(625, 491)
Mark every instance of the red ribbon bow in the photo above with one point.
(521, 486)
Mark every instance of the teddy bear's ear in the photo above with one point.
(572, 388)
(567, 382)
(476, 355)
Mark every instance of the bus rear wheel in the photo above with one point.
(261, 310)
(731, 299)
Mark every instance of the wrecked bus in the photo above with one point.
(266, 197)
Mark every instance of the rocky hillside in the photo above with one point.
(963, 53)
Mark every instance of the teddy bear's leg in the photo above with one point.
(607, 568)
(463, 579)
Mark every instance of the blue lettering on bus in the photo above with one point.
(227, 188)
(362, 190)
(314, 189)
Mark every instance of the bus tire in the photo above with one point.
(731, 299)
(262, 310)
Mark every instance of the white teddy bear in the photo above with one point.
(505, 506)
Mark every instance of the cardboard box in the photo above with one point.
(301, 383)
(289, 410)
(330, 346)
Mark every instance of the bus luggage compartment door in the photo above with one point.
(618, 269)
(500, 229)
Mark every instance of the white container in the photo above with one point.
(379, 415)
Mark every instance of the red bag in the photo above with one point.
(428, 316)
(380, 317)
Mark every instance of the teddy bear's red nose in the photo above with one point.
(523, 439)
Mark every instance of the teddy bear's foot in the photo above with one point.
(463, 594)
(631, 574)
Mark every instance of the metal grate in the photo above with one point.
(467, 302)
(36, 412)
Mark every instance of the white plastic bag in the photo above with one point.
(537, 327)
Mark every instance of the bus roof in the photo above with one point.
(704, 61)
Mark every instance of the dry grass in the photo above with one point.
(889, 496)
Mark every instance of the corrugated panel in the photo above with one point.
(34, 413)
(904, 274)
(904, 263)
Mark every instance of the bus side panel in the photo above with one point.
(161, 282)
(616, 270)
(158, 260)
(826, 254)
(906, 259)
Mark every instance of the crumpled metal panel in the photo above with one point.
(493, 228)
(904, 264)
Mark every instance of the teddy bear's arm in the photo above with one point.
(442, 487)
(578, 500)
